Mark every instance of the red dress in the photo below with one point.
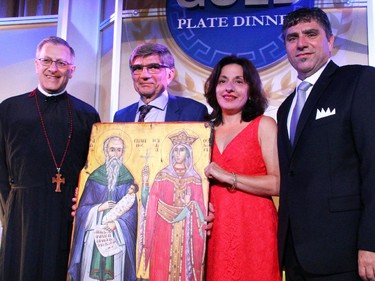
(243, 243)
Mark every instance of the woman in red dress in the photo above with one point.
(244, 175)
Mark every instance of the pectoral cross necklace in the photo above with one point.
(58, 179)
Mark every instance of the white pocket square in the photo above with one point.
(324, 113)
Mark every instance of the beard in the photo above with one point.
(113, 166)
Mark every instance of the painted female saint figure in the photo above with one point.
(174, 239)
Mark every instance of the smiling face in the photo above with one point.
(231, 89)
(308, 47)
(51, 78)
(150, 86)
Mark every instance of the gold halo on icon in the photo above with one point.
(166, 146)
(112, 131)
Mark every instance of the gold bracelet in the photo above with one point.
(234, 184)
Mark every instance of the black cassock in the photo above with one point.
(37, 222)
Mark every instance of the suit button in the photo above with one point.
(291, 173)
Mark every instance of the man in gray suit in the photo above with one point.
(152, 67)
(327, 192)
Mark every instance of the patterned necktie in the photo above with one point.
(300, 101)
(143, 110)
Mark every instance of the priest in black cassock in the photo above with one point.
(44, 139)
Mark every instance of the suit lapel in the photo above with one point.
(317, 91)
(130, 117)
(282, 125)
(173, 109)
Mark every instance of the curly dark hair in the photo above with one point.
(307, 15)
(256, 103)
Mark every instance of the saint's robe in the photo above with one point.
(86, 261)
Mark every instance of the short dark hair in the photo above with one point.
(55, 41)
(307, 15)
(148, 49)
(256, 103)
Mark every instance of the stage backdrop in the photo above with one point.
(236, 25)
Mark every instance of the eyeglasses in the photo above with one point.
(60, 63)
(152, 68)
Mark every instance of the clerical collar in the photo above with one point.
(48, 94)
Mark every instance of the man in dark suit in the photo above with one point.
(327, 192)
(152, 67)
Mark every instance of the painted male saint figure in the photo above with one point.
(104, 247)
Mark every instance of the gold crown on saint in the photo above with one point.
(182, 138)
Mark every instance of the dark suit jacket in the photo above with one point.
(178, 109)
(327, 193)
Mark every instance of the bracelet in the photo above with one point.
(234, 184)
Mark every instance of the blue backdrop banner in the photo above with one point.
(207, 30)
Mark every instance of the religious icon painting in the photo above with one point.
(142, 200)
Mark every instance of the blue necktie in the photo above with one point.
(300, 101)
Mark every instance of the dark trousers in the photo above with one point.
(295, 272)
